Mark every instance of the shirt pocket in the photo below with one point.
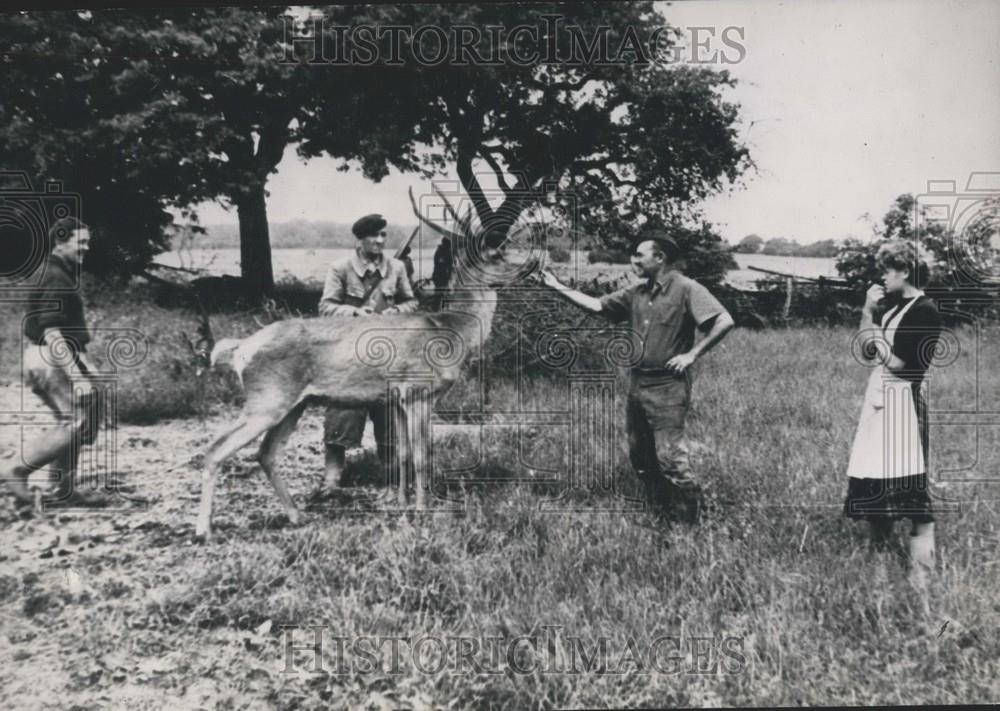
(355, 289)
(667, 313)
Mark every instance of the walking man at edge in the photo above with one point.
(55, 364)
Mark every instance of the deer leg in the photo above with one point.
(404, 448)
(423, 462)
(416, 417)
(274, 440)
(220, 451)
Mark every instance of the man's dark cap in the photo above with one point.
(368, 225)
(664, 240)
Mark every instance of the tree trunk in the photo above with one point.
(255, 242)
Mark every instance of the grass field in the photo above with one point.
(772, 600)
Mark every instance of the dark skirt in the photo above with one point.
(903, 497)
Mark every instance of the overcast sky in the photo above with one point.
(845, 105)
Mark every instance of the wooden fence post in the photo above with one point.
(789, 286)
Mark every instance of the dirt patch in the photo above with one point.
(86, 596)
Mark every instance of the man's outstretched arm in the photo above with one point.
(589, 303)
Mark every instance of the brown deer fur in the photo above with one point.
(349, 361)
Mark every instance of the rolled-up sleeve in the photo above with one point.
(332, 301)
(617, 306)
(702, 305)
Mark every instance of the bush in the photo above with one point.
(608, 256)
(950, 278)
(559, 254)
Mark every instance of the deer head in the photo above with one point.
(479, 252)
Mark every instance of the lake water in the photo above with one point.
(310, 265)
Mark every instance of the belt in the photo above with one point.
(655, 373)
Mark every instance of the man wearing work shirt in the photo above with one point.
(665, 311)
(363, 284)
(55, 364)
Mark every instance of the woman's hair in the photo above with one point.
(64, 228)
(908, 256)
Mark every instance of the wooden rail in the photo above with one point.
(833, 281)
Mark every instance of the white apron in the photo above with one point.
(887, 443)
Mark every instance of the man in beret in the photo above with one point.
(664, 311)
(366, 283)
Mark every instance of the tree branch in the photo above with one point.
(604, 170)
(501, 180)
(472, 186)
(271, 146)
(501, 151)
(564, 85)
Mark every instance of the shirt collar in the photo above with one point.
(362, 266)
(61, 263)
(661, 283)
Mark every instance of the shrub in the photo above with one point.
(608, 256)
(559, 254)
(956, 260)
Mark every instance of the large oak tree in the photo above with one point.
(620, 130)
(141, 110)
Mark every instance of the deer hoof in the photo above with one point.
(293, 517)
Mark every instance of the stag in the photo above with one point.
(350, 361)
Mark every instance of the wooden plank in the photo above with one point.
(828, 280)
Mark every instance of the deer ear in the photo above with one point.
(186, 339)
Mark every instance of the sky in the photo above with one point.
(845, 105)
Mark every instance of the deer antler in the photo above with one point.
(447, 205)
(465, 224)
(430, 223)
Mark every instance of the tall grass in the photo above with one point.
(820, 620)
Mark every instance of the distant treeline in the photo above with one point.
(779, 246)
(303, 234)
(297, 234)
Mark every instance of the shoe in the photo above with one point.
(77, 499)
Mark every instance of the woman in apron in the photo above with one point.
(887, 471)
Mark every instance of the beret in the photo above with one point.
(368, 225)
